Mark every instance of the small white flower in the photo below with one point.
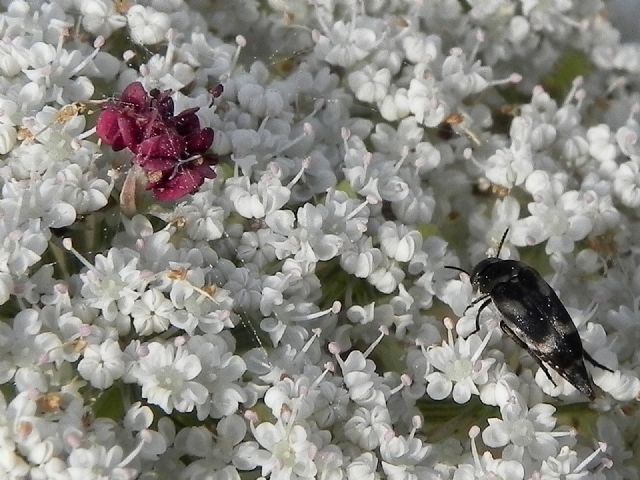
(147, 25)
(511, 167)
(330, 461)
(288, 452)
(315, 245)
(8, 137)
(331, 406)
(461, 78)
(257, 247)
(601, 146)
(345, 45)
(486, 466)
(166, 375)
(387, 276)
(401, 455)
(221, 373)
(100, 17)
(245, 289)
(215, 458)
(363, 467)
(367, 428)
(260, 102)
(256, 200)
(114, 283)
(82, 190)
(426, 101)
(37, 201)
(204, 219)
(102, 364)
(526, 432)
(457, 294)
(54, 73)
(370, 85)
(152, 312)
(422, 49)
(498, 390)
(626, 183)
(565, 465)
(460, 368)
(398, 242)
(98, 462)
(623, 386)
(397, 104)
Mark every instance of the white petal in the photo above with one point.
(268, 435)
(461, 391)
(511, 470)
(495, 435)
(439, 386)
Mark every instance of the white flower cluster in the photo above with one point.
(292, 319)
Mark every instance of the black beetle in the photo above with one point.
(533, 316)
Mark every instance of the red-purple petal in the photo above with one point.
(175, 188)
(154, 125)
(206, 170)
(163, 103)
(199, 141)
(130, 132)
(135, 95)
(156, 164)
(108, 130)
(168, 145)
(186, 121)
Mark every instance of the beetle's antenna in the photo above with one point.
(504, 236)
(457, 268)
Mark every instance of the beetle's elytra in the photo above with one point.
(533, 316)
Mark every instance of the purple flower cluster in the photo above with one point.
(169, 148)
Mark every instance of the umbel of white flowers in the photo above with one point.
(292, 318)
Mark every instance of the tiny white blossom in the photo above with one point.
(166, 375)
(147, 25)
(257, 200)
(565, 466)
(486, 466)
(345, 45)
(399, 242)
(100, 17)
(113, 284)
(367, 428)
(8, 137)
(98, 462)
(221, 373)
(102, 364)
(152, 312)
(427, 102)
(204, 220)
(363, 467)
(460, 368)
(626, 183)
(370, 85)
(525, 432)
(289, 454)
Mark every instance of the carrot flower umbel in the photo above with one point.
(171, 149)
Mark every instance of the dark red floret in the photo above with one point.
(171, 149)
(135, 96)
(185, 180)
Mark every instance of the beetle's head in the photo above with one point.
(478, 276)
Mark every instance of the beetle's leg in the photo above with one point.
(595, 363)
(473, 302)
(482, 307)
(508, 331)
